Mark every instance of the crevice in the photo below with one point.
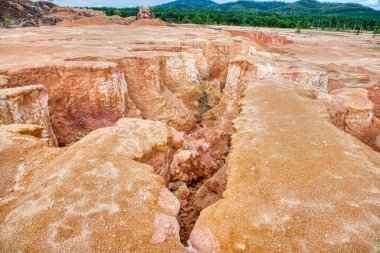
(197, 174)
(193, 162)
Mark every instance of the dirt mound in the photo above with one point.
(262, 38)
(75, 12)
(87, 21)
(148, 22)
(25, 13)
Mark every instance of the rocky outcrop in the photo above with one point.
(145, 17)
(82, 96)
(145, 13)
(282, 184)
(27, 105)
(74, 210)
(25, 13)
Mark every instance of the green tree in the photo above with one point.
(376, 31)
(186, 20)
(117, 13)
(198, 20)
(298, 29)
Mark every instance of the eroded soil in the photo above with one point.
(237, 123)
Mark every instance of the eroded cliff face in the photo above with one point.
(161, 130)
(83, 96)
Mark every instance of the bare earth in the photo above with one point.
(156, 138)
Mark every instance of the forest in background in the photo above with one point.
(303, 14)
(254, 18)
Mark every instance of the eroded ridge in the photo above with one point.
(150, 128)
(314, 193)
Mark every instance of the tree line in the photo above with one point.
(255, 18)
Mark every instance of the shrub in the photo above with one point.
(7, 20)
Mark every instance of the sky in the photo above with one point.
(130, 3)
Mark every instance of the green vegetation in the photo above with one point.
(301, 7)
(376, 31)
(117, 12)
(254, 18)
(7, 20)
(298, 30)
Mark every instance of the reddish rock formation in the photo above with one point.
(27, 105)
(82, 96)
